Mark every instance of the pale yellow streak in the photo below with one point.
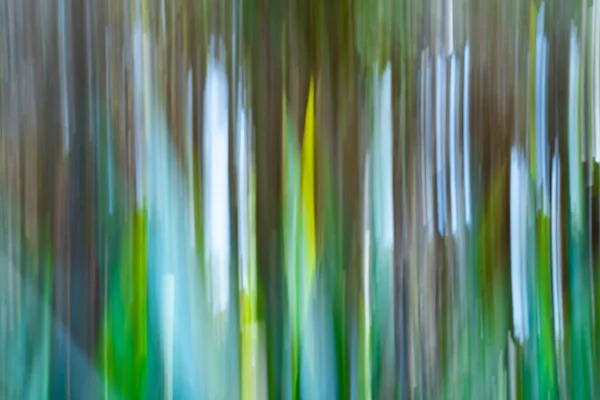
(308, 185)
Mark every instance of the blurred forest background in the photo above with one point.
(299, 199)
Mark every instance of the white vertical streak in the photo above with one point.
(384, 139)
(514, 244)
(519, 204)
(440, 146)
(167, 328)
(540, 133)
(367, 270)
(573, 134)
(537, 103)
(466, 144)
(545, 146)
(216, 177)
(556, 247)
(428, 175)
(242, 161)
(139, 109)
(453, 126)
(251, 195)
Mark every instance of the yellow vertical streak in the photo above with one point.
(308, 186)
